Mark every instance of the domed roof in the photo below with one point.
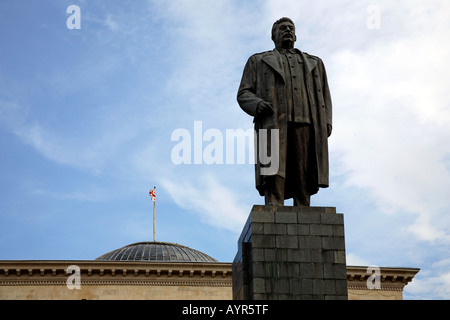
(156, 251)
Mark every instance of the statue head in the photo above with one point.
(283, 33)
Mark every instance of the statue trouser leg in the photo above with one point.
(274, 190)
(299, 169)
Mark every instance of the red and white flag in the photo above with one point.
(152, 194)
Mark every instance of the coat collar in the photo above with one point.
(273, 59)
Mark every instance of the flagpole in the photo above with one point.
(154, 218)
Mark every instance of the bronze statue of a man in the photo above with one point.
(287, 90)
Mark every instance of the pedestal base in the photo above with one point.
(291, 253)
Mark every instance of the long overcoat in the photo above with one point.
(263, 79)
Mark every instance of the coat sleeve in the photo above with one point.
(246, 97)
(326, 94)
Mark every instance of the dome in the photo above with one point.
(156, 251)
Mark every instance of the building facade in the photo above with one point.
(161, 271)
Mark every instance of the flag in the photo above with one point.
(152, 194)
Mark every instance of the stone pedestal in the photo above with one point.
(291, 253)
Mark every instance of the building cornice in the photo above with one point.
(55, 272)
(391, 279)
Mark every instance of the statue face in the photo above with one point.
(285, 35)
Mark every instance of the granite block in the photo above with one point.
(293, 270)
(281, 286)
(295, 285)
(316, 255)
(290, 242)
(333, 243)
(263, 241)
(316, 210)
(309, 242)
(285, 217)
(308, 218)
(338, 230)
(281, 254)
(294, 255)
(318, 287)
(339, 256)
(263, 217)
(258, 269)
(334, 271)
(321, 230)
(307, 286)
(272, 228)
(341, 287)
(330, 218)
(258, 228)
(330, 286)
(259, 285)
(269, 254)
(258, 254)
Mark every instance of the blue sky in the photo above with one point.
(87, 116)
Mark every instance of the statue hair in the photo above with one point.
(275, 25)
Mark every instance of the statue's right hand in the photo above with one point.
(264, 108)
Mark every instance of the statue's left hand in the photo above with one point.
(329, 129)
(263, 109)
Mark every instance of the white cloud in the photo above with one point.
(354, 260)
(434, 286)
(206, 197)
(111, 23)
(391, 122)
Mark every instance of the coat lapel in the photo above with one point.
(273, 59)
(309, 62)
